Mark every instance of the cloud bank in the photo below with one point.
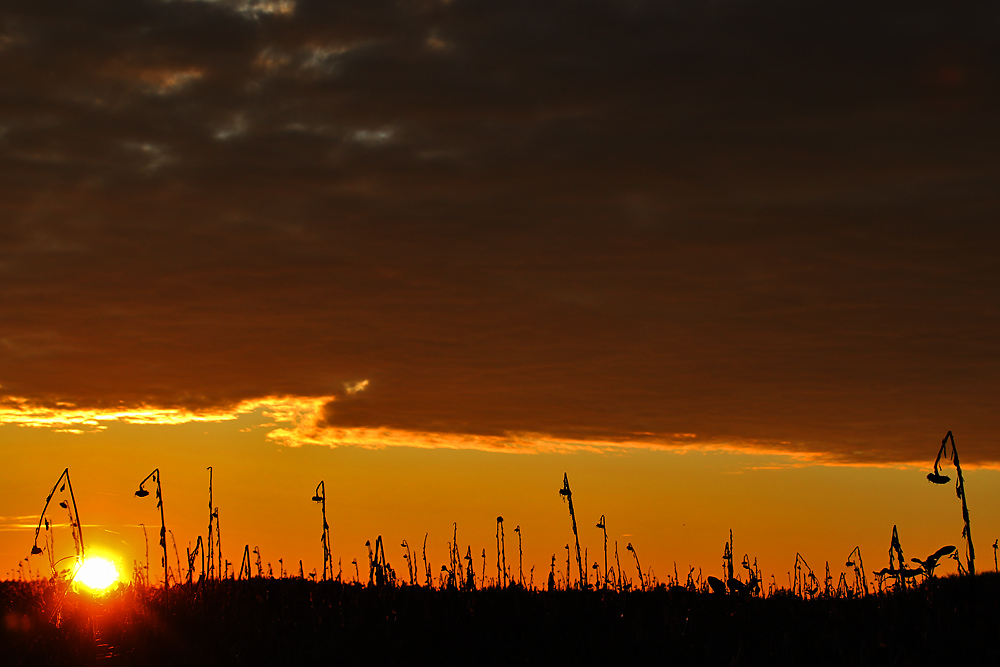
(770, 224)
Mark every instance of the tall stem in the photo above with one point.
(937, 478)
(604, 529)
(76, 516)
(76, 513)
(499, 575)
(520, 558)
(576, 536)
(960, 488)
(223, 573)
(320, 497)
(163, 531)
(211, 560)
(155, 476)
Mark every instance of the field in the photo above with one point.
(297, 621)
(899, 615)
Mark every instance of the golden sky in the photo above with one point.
(674, 505)
(708, 260)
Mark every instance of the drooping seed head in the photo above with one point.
(935, 478)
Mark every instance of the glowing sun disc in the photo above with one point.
(97, 573)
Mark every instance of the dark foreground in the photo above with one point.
(292, 622)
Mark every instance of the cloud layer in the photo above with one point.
(760, 223)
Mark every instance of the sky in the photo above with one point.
(728, 264)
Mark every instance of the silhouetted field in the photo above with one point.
(292, 621)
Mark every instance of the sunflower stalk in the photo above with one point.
(601, 525)
(320, 497)
(568, 496)
(211, 522)
(75, 525)
(142, 493)
(937, 478)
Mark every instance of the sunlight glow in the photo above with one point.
(97, 574)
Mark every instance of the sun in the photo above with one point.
(97, 574)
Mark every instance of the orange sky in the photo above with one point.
(728, 266)
(672, 505)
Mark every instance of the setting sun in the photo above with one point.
(97, 573)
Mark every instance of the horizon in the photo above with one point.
(828, 510)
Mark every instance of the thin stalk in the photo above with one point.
(520, 558)
(938, 478)
(470, 573)
(409, 562)
(155, 476)
(618, 566)
(191, 555)
(601, 525)
(380, 574)
(569, 577)
(897, 548)
(800, 577)
(859, 570)
(642, 582)
(728, 557)
(427, 568)
(320, 497)
(176, 555)
(568, 495)
(499, 528)
(218, 544)
(75, 520)
(503, 554)
(211, 557)
(145, 538)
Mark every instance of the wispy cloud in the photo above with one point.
(65, 417)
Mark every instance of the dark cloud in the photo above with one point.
(764, 223)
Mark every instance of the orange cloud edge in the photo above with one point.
(297, 421)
